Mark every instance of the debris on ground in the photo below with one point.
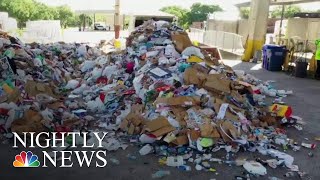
(161, 93)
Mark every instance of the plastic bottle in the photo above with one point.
(147, 149)
(175, 161)
(160, 174)
(146, 139)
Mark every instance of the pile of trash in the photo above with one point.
(161, 93)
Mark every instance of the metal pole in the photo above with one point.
(117, 19)
(94, 19)
(282, 16)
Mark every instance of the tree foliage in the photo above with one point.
(197, 13)
(179, 12)
(30, 10)
(245, 12)
(289, 11)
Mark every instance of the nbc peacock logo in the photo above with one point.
(26, 160)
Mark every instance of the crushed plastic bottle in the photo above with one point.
(174, 161)
(115, 161)
(160, 174)
(184, 168)
(131, 157)
(147, 149)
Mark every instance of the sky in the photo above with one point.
(134, 6)
(138, 5)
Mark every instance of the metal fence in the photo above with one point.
(226, 41)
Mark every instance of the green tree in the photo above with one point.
(179, 12)
(22, 10)
(25, 10)
(65, 15)
(43, 12)
(245, 12)
(197, 13)
(289, 11)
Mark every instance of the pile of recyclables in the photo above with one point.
(161, 93)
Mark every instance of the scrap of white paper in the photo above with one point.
(159, 72)
(222, 111)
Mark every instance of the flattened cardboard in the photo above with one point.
(163, 131)
(156, 124)
(131, 129)
(181, 140)
(194, 135)
(31, 122)
(181, 41)
(229, 115)
(192, 76)
(33, 88)
(218, 83)
(124, 125)
(179, 101)
(229, 129)
(237, 96)
(269, 119)
(201, 68)
(209, 131)
(135, 119)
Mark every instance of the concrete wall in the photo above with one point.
(305, 28)
(226, 26)
(297, 27)
(240, 27)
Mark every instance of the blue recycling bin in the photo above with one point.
(273, 57)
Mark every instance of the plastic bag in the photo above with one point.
(193, 51)
(72, 84)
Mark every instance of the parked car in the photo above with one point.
(99, 27)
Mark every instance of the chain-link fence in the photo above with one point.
(226, 41)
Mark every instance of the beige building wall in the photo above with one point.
(305, 28)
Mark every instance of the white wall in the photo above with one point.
(44, 31)
(7, 24)
(240, 27)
